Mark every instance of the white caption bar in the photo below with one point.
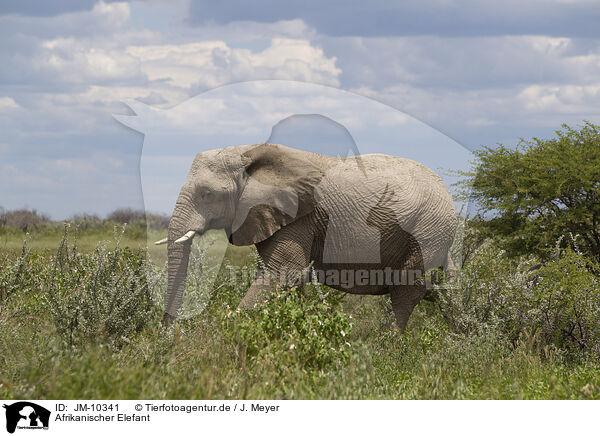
(296, 417)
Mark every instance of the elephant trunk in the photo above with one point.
(179, 246)
(179, 255)
(178, 258)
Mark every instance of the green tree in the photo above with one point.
(542, 193)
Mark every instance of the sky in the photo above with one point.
(475, 73)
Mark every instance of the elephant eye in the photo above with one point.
(203, 193)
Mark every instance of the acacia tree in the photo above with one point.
(542, 193)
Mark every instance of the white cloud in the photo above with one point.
(464, 63)
(70, 60)
(64, 75)
(8, 104)
(213, 63)
(69, 82)
(560, 98)
(98, 78)
(479, 90)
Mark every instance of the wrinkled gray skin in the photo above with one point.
(283, 201)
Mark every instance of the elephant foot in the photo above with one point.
(404, 300)
(168, 319)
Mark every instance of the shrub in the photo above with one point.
(86, 221)
(565, 303)
(99, 297)
(294, 328)
(26, 272)
(157, 221)
(126, 215)
(139, 218)
(559, 302)
(23, 219)
(484, 294)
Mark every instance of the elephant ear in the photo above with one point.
(277, 188)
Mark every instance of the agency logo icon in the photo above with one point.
(26, 415)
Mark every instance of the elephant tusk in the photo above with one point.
(162, 241)
(185, 237)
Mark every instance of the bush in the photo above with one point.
(565, 303)
(99, 297)
(86, 221)
(484, 294)
(25, 273)
(126, 215)
(559, 303)
(139, 217)
(23, 219)
(157, 221)
(305, 329)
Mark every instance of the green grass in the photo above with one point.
(211, 357)
(48, 238)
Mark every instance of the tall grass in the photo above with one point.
(86, 324)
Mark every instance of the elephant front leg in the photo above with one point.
(404, 300)
(266, 284)
(259, 291)
(285, 255)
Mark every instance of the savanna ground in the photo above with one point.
(81, 319)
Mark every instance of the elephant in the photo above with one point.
(365, 224)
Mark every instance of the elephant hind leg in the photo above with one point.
(404, 300)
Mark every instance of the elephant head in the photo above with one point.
(250, 191)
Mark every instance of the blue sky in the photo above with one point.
(479, 72)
